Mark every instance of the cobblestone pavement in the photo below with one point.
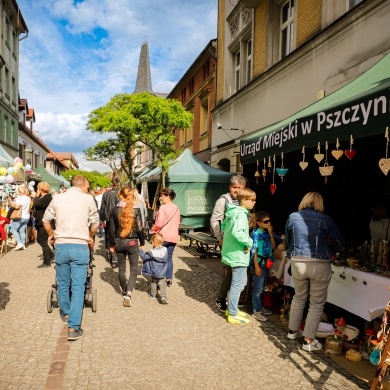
(187, 344)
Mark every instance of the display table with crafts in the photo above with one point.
(364, 294)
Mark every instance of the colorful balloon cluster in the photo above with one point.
(7, 175)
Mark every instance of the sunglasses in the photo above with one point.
(266, 221)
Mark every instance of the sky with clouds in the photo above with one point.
(79, 54)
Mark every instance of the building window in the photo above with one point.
(240, 48)
(248, 61)
(13, 89)
(287, 36)
(7, 31)
(204, 117)
(138, 158)
(5, 126)
(237, 67)
(206, 71)
(6, 81)
(14, 42)
(192, 86)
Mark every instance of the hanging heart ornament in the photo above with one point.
(384, 165)
(319, 157)
(337, 153)
(303, 165)
(350, 153)
(272, 187)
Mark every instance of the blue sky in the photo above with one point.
(78, 54)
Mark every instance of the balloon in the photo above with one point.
(19, 164)
(2, 179)
(27, 167)
(3, 171)
(10, 170)
(30, 172)
(18, 159)
(9, 179)
(16, 169)
(31, 188)
(31, 183)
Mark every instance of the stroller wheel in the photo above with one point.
(94, 300)
(50, 304)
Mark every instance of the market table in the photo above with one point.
(364, 294)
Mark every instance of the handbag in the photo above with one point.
(16, 214)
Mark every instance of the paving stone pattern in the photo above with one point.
(187, 344)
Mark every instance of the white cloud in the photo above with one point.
(79, 54)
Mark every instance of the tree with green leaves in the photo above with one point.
(95, 178)
(138, 120)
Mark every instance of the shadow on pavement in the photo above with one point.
(5, 295)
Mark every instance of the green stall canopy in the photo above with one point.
(359, 109)
(197, 186)
(49, 178)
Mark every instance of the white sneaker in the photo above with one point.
(18, 247)
(293, 335)
(127, 301)
(313, 346)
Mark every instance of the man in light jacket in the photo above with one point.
(77, 221)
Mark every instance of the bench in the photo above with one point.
(184, 229)
(207, 245)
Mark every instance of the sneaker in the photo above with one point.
(259, 316)
(293, 335)
(241, 304)
(114, 264)
(127, 301)
(169, 283)
(164, 300)
(74, 334)
(265, 312)
(311, 347)
(237, 320)
(151, 296)
(239, 313)
(222, 306)
(18, 247)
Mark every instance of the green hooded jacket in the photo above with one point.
(236, 237)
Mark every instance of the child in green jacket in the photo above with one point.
(236, 250)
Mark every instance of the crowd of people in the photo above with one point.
(308, 233)
(66, 224)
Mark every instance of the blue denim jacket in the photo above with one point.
(308, 232)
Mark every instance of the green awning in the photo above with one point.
(359, 109)
(49, 178)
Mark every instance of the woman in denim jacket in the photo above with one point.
(307, 234)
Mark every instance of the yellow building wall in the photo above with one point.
(260, 39)
(308, 20)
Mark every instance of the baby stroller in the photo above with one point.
(90, 296)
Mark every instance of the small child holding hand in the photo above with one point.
(156, 265)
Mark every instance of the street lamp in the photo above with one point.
(27, 156)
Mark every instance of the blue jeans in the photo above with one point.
(239, 280)
(258, 288)
(170, 247)
(18, 229)
(71, 272)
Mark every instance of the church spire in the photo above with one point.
(144, 79)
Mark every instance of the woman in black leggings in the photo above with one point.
(125, 231)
